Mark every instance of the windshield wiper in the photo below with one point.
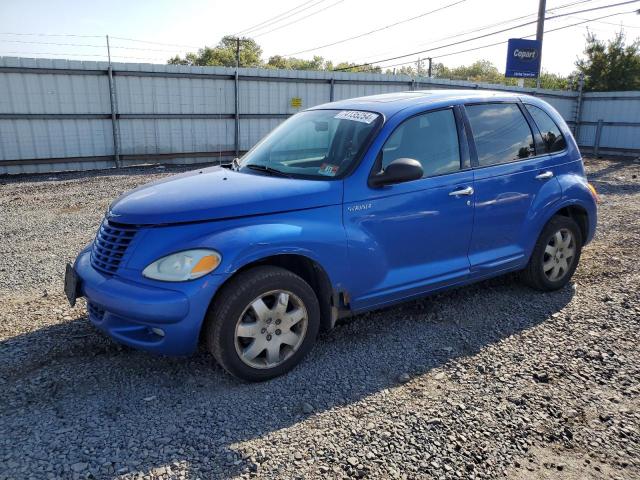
(271, 171)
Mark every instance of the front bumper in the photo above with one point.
(161, 319)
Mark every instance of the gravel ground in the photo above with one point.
(485, 381)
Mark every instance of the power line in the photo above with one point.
(275, 22)
(486, 35)
(466, 32)
(385, 27)
(301, 18)
(51, 35)
(611, 23)
(59, 54)
(155, 43)
(425, 14)
(66, 54)
(271, 20)
(143, 49)
(87, 45)
(505, 41)
(53, 43)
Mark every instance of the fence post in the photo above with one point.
(576, 129)
(596, 143)
(237, 114)
(331, 89)
(113, 101)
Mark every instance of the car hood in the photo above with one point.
(217, 193)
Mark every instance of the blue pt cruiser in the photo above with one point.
(344, 208)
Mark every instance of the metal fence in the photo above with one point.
(74, 115)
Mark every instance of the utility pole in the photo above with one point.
(238, 52)
(542, 9)
(430, 61)
(113, 101)
(108, 50)
(237, 101)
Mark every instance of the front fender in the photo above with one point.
(316, 233)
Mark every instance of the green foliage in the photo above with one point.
(291, 63)
(612, 65)
(224, 54)
(352, 67)
(481, 71)
(548, 80)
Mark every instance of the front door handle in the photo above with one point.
(462, 191)
(544, 175)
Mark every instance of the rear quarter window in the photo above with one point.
(501, 133)
(552, 137)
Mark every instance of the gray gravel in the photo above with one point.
(486, 381)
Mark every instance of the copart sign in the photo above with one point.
(523, 58)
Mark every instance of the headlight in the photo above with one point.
(182, 266)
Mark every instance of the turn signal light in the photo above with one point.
(593, 191)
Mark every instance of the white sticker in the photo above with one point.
(357, 116)
(328, 170)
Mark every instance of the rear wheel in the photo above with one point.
(263, 323)
(555, 256)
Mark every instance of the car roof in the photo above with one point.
(391, 103)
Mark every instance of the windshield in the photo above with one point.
(316, 143)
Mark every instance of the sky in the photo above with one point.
(151, 31)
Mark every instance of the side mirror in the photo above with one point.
(398, 171)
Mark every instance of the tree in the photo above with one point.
(549, 80)
(224, 54)
(292, 63)
(612, 65)
(352, 67)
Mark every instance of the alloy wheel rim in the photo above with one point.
(271, 329)
(559, 255)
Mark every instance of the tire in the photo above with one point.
(544, 262)
(268, 310)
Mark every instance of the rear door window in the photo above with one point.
(430, 138)
(501, 133)
(551, 136)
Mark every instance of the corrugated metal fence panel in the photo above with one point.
(253, 129)
(272, 91)
(586, 135)
(138, 94)
(565, 106)
(53, 94)
(165, 136)
(620, 113)
(167, 112)
(34, 138)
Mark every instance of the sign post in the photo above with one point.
(523, 58)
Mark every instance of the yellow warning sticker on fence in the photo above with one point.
(296, 102)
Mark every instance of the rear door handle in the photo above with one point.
(544, 175)
(462, 191)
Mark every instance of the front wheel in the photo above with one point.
(555, 256)
(263, 323)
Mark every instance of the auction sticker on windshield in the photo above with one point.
(357, 116)
(328, 170)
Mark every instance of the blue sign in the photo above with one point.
(523, 58)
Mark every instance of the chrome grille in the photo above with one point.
(110, 246)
